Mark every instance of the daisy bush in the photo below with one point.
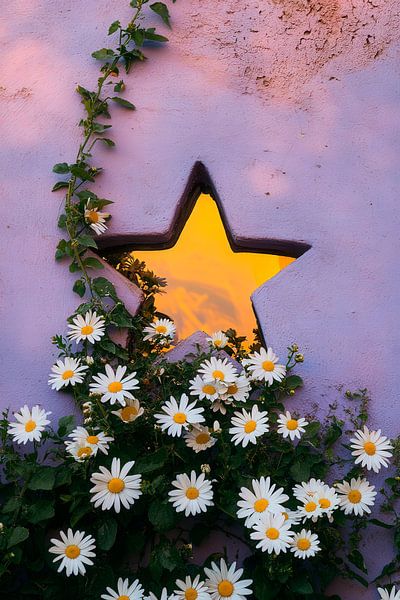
(168, 461)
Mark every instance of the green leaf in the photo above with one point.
(113, 27)
(103, 287)
(87, 241)
(150, 34)
(300, 471)
(167, 556)
(79, 287)
(120, 316)
(59, 185)
(93, 263)
(123, 102)
(333, 434)
(312, 429)
(162, 515)
(294, 381)
(381, 524)
(18, 535)
(357, 559)
(81, 172)
(66, 425)
(107, 142)
(42, 510)
(104, 54)
(161, 9)
(62, 221)
(100, 128)
(63, 248)
(61, 168)
(42, 479)
(152, 462)
(107, 533)
(79, 512)
(301, 585)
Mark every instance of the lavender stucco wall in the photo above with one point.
(294, 112)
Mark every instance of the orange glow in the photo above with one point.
(209, 285)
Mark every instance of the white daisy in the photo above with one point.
(291, 427)
(238, 390)
(371, 449)
(356, 497)
(328, 500)
(115, 487)
(192, 495)
(161, 328)
(199, 438)
(292, 517)
(89, 327)
(30, 424)
(176, 417)
(74, 550)
(191, 589)
(263, 366)
(221, 405)
(164, 596)
(134, 591)
(386, 595)
(218, 370)
(96, 219)
(130, 412)
(79, 450)
(305, 544)
(264, 498)
(114, 386)
(248, 426)
(67, 371)
(205, 389)
(313, 487)
(224, 582)
(218, 339)
(96, 441)
(273, 533)
(310, 509)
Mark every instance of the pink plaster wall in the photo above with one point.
(293, 106)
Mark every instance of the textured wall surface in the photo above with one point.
(293, 106)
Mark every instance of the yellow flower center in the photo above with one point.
(225, 588)
(218, 375)
(67, 374)
(292, 424)
(272, 533)
(161, 329)
(180, 418)
(87, 330)
(285, 516)
(30, 426)
(250, 426)
(303, 544)
(192, 493)
(191, 594)
(124, 597)
(370, 448)
(92, 439)
(354, 496)
(86, 451)
(128, 412)
(72, 551)
(203, 438)
(324, 503)
(310, 506)
(92, 216)
(268, 365)
(115, 485)
(232, 389)
(209, 389)
(217, 342)
(114, 387)
(260, 505)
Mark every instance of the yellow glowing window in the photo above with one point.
(209, 285)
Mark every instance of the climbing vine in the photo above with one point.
(171, 453)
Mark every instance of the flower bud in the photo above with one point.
(294, 348)
(292, 392)
(89, 360)
(299, 358)
(205, 468)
